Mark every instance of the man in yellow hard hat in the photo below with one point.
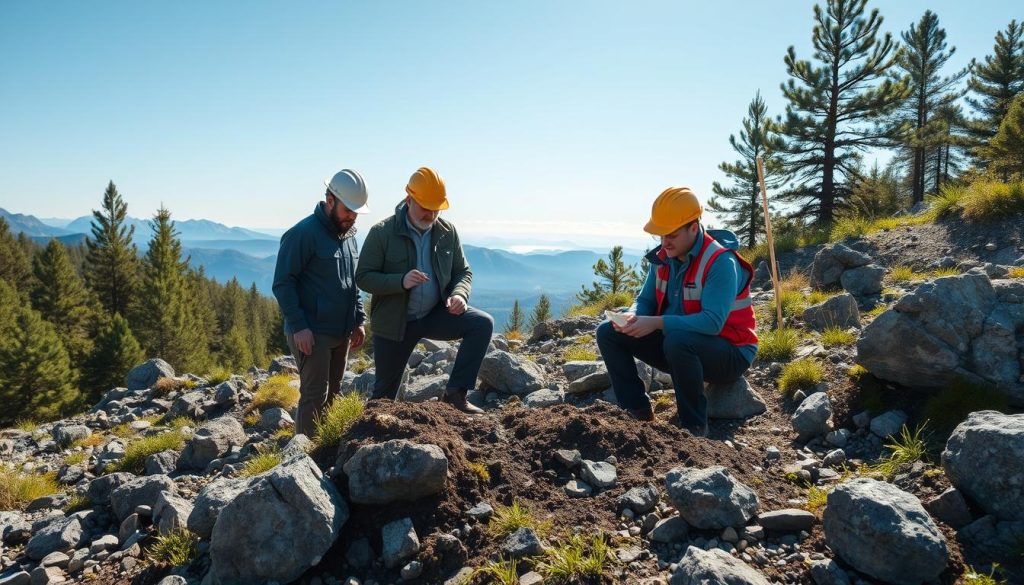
(413, 266)
(693, 316)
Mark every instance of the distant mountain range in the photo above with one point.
(499, 277)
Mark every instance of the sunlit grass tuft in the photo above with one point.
(777, 344)
(277, 391)
(800, 375)
(179, 547)
(577, 558)
(18, 489)
(837, 336)
(135, 454)
(508, 519)
(338, 417)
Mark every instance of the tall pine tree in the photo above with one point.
(112, 259)
(1006, 149)
(61, 298)
(740, 206)
(236, 353)
(834, 105)
(15, 261)
(541, 311)
(920, 61)
(514, 324)
(115, 353)
(994, 83)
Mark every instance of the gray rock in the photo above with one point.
(273, 419)
(14, 529)
(171, 512)
(521, 543)
(56, 559)
(590, 383)
(107, 542)
(359, 554)
(828, 572)
(544, 398)
(983, 459)
(190, 404)
(147, 373)
(563, 327)
(423, 388)
(951, 508)
(831, 261)
(599, 474)
(65, 435)
(61, 534)
(700, 567)
(506, 372)
(734, 400)
(129, 526)
(173, 580)
(787, 520)
(47, 576)
(640, 499)
(813, 417)
(884, 532)
(575, 370)
(669, 530)
(838, 311)
(15, 576)
(481, 512)
(278, 527)
(395, 471)
(99, 489)
(363, 383)
(863, 281)
(993, 537)
(140, 492)
(570, 458)
(577, 488)
(888, 423)
(213, 439)
(710, 498)
(834, 458)
(297, 446)
(412, 570)
(226, 393)
(283, 364)
(210, 501)
(162, 463)
(399, 542)
(838, 438)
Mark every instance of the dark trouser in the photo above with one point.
(320, 375)
(473, 327)
(691, 358)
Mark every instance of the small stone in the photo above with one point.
(669, 530)
(599, 474)
(577, 488)
(412, 570)
(835, 458)
(481, 512)
(569, 458)
(521, 543)
(531, 578)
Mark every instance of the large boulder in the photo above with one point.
(699, 567)
(98, 491)
(66, 434)
(143, 491)
(831, 261)
(733, 400)
(863, 281)
(147, 373)
(838, 311)
(710, 498)
(60, 535)
(213, 439)
(213, 498)
(509, 373)
(955, 328)
(278, 527)
(395, 471)
(884, 532)
(171, 513)
(984, 458)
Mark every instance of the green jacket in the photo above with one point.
(389, 253)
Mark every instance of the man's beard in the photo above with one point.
(343, 225)
(416, 223)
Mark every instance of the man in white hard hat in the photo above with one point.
(314, 283)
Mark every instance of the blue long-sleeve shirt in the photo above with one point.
(726, 278)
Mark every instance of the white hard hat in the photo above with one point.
(350, 189)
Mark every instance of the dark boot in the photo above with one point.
(644, 414)
(457, 398)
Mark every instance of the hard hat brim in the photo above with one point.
(438, 207)
(660, 230)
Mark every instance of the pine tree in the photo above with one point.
(834, 106)
(615, 277)
(236, 353)
(203, 295)
(36, 378)
(514, 324)
(167, 326)
(61, 298)
(1006, 149)
(257, 318)
(740, 205)
(877, 193)
(112, 260)
(115, 353)
(924, 54)
(541, 311)
(15, 261)
(995, 82)
(947, 156)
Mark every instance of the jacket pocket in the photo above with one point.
(329, 264)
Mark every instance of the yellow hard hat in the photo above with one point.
(674, 208)
(427, 188)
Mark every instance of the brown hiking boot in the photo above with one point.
(644, 414)
(457, 398)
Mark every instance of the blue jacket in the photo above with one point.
(314, 280)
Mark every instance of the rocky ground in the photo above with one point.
(786, 489)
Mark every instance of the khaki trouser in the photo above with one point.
(320, 375)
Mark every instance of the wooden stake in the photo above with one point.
(771, 243)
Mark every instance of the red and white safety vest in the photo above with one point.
(740, 326)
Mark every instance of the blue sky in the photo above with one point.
(560, 119)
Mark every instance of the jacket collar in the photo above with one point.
(401, 226)
(658, 258)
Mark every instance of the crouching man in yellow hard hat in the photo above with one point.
(693, 316)
(413, 266)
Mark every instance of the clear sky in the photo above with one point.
(555, 118)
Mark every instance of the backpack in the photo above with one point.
(725, 237)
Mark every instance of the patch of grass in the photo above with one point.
(277, 391)
(902, 274)
(794, 281)
(972, 577)
(800, 375)
(508, 519)
(285, 433)
(26, 425)
(218, 375)
(816, 499)
(77, 503)
(264, 460)
(777, 344)
(189, 384)
(608, 302)
(252, 418)
(18, 489)
(950, 407)
(514, 335)
(503, 572)
(577, 558)
(1016, 272)
(816, 297)
(941, 272)
(135, 453)
(946, 202)
(580, 352)
(165, 386)
(360, 364)
(793, 303)
(93, 440)
(988, 200)
(177, 423)
(338, 417)
(877, 310)
(904, 451)
(850, 227)
(179, 547)
(123, 430)
(480, 470)
(836, 336)
(663, 401)
(75, 458)
(856, 371)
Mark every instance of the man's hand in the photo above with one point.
(304, 341)
(413, 278)
(357, 338)
(456, 305)
(640, 326)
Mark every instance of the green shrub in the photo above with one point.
(263, 460)
(905, 450)
(950, 407)
(941, 272)
(18, 489)
(77, 503)
(972, 577)
(179, 547)
(277, 391)
(1016, 272)
(816, 297)
(26, 425)
(816, 498)
(856, 371)
(777, 344)
(508, 519)
(480, 469)
(134, 460)
(946, 202)
(793, 303)
(338, 417)
(902, 274)
(800, 375)
(502, 572)
(577, 558)
(165, 386)
(218, 375)
(835, 336)
(75, 458)
(987, 200)
(850, 227)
